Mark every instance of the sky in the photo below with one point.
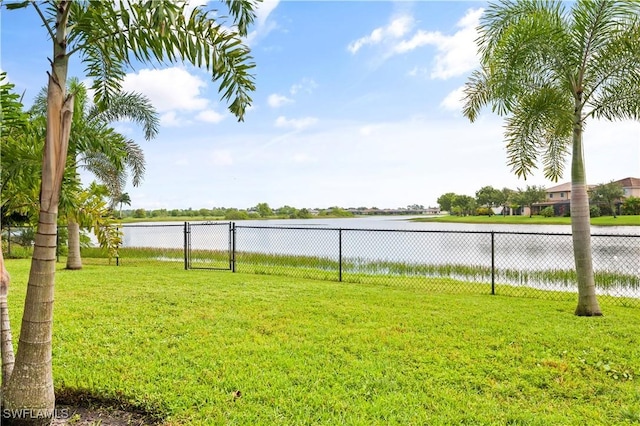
(357, 104)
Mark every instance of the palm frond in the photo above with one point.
(128, 106)
(111, 38)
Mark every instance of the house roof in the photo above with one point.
(565, 187)
(629, 182)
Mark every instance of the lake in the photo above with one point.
(367, 243)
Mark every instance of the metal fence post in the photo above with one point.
(186, 246)
(233, 246)
(340, 255)
(493, 264)
(118, 248)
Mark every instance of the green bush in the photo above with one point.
(594, 211)
(548, 212)
(484, 211)
(233, 214)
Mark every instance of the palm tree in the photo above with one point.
(108, 37)
(549, 70)
(121, 199)
(94, 145)
(12, 121)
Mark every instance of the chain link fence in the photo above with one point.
(508, 263)
(524, 264)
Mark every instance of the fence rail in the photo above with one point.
(496, 262)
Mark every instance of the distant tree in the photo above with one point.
(445, 201)
(286, 212)
(263, 210)
(235, 214)
(489, 196)
(507, 196)
(464, 205)
(139, 213)
(336, 212)
(303, 214)
(530, 196)
(607, 194)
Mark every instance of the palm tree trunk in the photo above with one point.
(6, 340)
(29, 396)
(74, 260)
(581, 226)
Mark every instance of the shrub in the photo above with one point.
(548, 212)
(631, 205)
(484, 211)
(594, 211)
(236, 215)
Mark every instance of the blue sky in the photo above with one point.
(357, 104)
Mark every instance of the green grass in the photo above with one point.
(180, 343)
(535, 220)
(512, 281)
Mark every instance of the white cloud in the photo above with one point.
(296, 124)
(275, 100)
(395, 29)
(302, 158)
(454, 101)
(457, 53)
(170, 119)
(263, 25)
(419, 72)
(169, 89)
(210, 116)
(221, 157)
(367, 130)
(306, 85)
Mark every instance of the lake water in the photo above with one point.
(395, 239)
(403, 223)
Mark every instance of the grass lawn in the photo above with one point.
(182, 343)
(535, 220)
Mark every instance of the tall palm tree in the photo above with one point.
(548, 70)
(108, 37)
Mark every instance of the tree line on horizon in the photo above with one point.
(605, 199)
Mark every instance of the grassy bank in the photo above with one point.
(535, 220)
(547, 283)
(310, 352)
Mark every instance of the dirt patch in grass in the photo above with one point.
(80, 409)
(103, 416)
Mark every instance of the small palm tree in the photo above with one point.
(121, 199)
(95, 146)
(549, 70)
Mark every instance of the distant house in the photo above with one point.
(559, 197)
(630, 186)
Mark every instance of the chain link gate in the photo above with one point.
(208, 245)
